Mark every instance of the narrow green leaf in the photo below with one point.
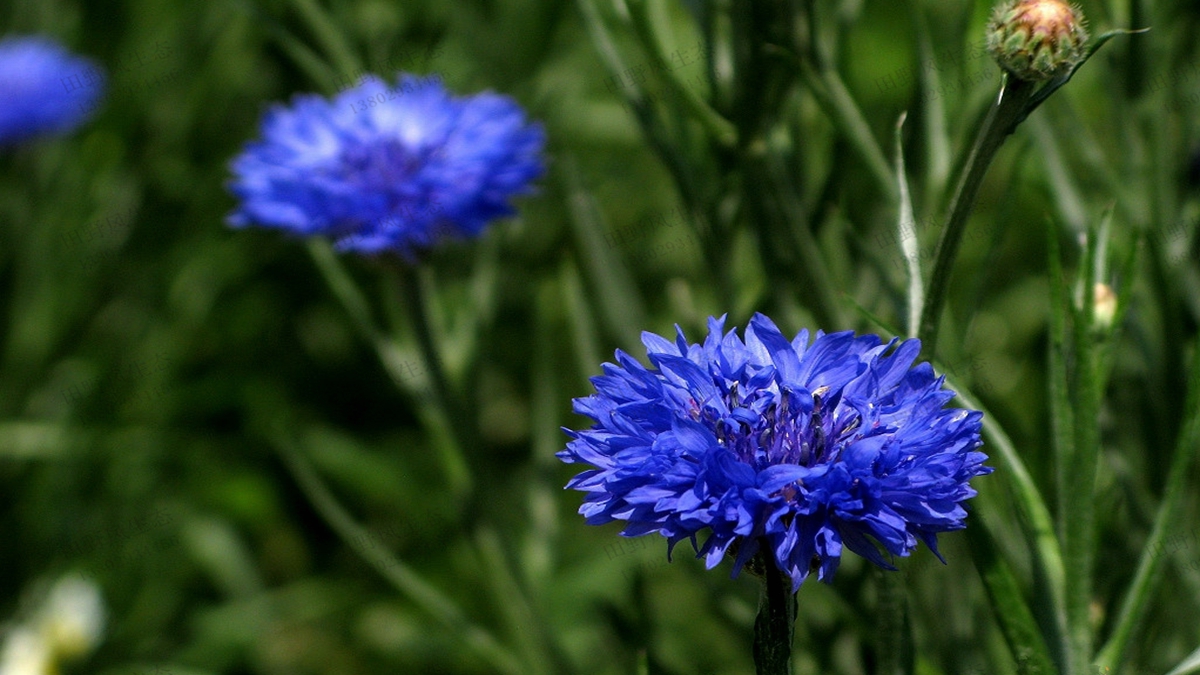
(317, 68)
(1008, 605)
(343, 287)
(585, 336)
(1189, 665)
(400, 575)
(481, 310)
(439, 418)
(603, 42)
(1057, 83)
(937, 135)
(888, 330)
(618, 295)
(1037, 526)
(332, 40)
(1065, 191)
(541, 536)
(721, 129)
(910, 245)
(839, 105)
(525, 628)
(1149, 570)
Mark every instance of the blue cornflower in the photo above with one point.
(44, 88)
(805, 449)
(388, 169)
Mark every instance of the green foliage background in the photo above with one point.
(156, 366)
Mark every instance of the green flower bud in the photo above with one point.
(1104, 306)
(1037, 40)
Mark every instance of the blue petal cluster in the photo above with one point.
(44, 89)
(804, 449)
(383, 168)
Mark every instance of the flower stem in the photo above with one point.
(437, 417)
(893, 637)
(1002, 119)
(774, 627)
(454, 410)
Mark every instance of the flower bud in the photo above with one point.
(1104, 306)
(1037, 40)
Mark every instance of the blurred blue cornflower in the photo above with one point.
(804, 448)
(44, 88)
(388, 169)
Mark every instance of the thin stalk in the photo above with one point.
(894, 644)
(1079, 526)
(355, 305)
(837, 102)
(416, 305)
(1002, 119)
(330, 36)
(721, 129)
(1062, 418)
(462, 428)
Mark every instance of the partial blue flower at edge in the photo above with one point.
(44, 89)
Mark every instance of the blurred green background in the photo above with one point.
(154, 363)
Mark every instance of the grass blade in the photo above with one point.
(619, 300)
(909, 244)
(401, 576)
(1034, 518)
(1008, 605)
(1149, 570)
(721, 129)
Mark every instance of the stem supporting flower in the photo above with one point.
(775, 625)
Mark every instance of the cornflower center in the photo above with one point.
(769, 428)
(381, 162)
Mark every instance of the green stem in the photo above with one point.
(894, 649)
(1002, 119)
(775, 625)
(462, 426)
(356, 306)
(721, 129)
(1079, 535)
(837, 102)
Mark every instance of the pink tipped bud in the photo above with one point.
(1037, 40)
